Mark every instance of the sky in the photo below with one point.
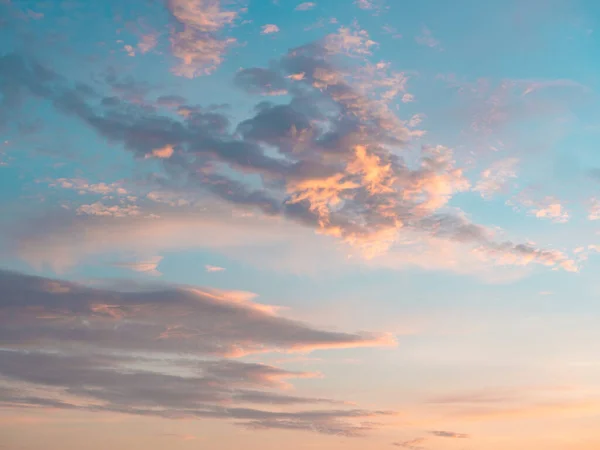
(328, 225)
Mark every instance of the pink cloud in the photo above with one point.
(147, 43)
(305, 6)
(163, 152)
(199, 45)
(496, 178)
(269, 29)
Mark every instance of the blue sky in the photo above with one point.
(315, 224)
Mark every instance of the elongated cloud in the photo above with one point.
(159, 351)
(205, 322)
(449, 434)
(149, 265)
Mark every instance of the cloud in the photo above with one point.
(129, 49)
(449, 434)
(269, 29)
(305, 6)
(335, 170)
(198, 42)
(547, 207)
(147, 43)
(498, 109)
(183, 437)
(533, 86)
(161, 350)
(100, 209)
(426, 38)
(183, 319)
(210, 268)
(371, 5)
(85, 187)
(413, 444)
(578, 408)
(552, 211)
(129, 385)
(163, 152)
(515, 403)
(495, 178)
(364, 4)
(349, 42)
(594, 209)
(408, 98)
(149, 266)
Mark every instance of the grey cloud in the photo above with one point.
(111, 384)
(449, 434)
(163, 319)
(158, 350)
(260, 81)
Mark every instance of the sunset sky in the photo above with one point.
(267, 224)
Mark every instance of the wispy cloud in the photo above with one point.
(100, 209)
(495, 179)
(305, 6)
(149, 266)
(147, 43)
(449, 434)
(426, 38)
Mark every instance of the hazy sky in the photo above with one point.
(269, 224)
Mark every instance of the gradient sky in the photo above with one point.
(336, 224)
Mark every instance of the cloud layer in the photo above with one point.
(161, 351)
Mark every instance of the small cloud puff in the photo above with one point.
(269, 29)
(305, 6)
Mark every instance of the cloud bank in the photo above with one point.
(162, 351)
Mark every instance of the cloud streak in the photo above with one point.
(161, 351)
